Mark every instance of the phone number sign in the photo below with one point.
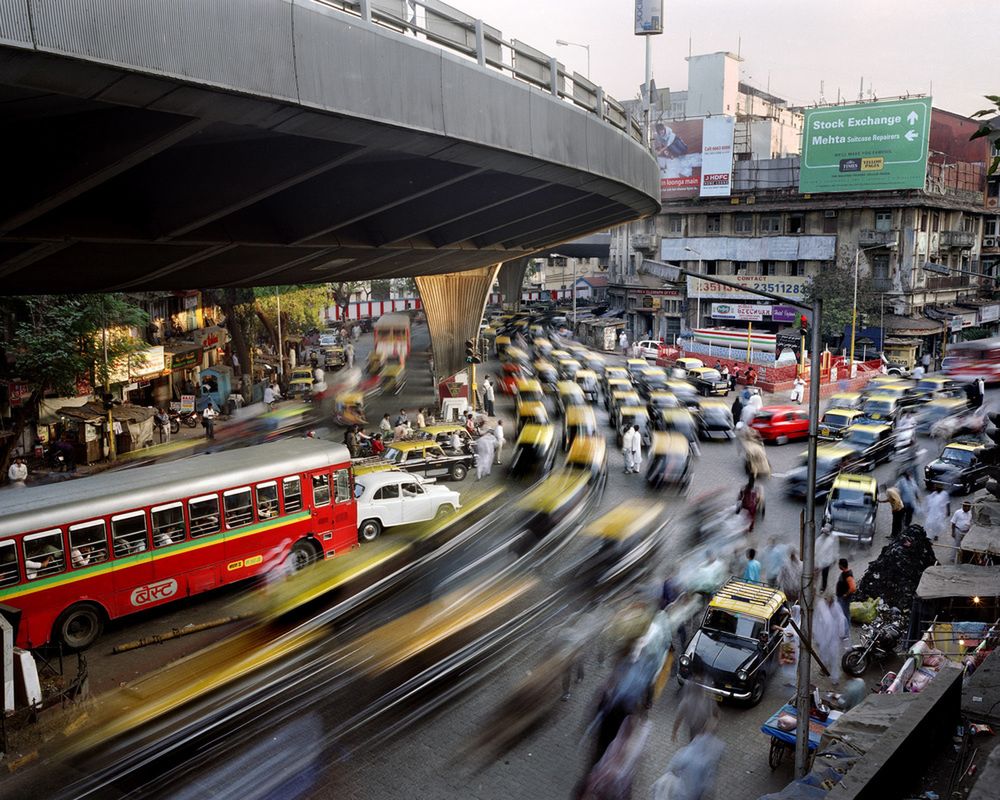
(793, 287)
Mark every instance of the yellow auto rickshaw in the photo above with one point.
(349, 409)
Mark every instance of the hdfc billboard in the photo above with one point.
(695, 157)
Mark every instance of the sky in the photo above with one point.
(897, 46)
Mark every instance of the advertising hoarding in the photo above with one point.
(865, 147)
(791, 286)
(648, 17)
(695, 157)
(740, 311)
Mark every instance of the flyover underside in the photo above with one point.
(123, 181)
(454, 305)
(511, 279)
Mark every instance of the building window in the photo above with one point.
(968, 224)
(883, 220)
(880, 272)
(751, 268)
(770, 224)
(740, 268)
(713, 223)
(768, 268)
(743, 223)
(711, 267)
(796, 223)
(934, 223)
(797, 268)
(991, 226)
(675, 223)
(923, 220)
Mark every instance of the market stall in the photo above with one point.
(85, 427)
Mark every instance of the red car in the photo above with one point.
(780, 424)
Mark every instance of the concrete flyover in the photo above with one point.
(158, 145)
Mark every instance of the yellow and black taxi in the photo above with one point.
(873, 443)
(534, 451)
(876, 383)
(933, 386)
(568, 367)
(622, 544)
(939, 409)
(959, 469)
(443, 434)
(587, 380)
(662, 400)
(620, 400)
(587, 454)
(852, 400)
(735, 650)
(852, 508)
(500, 344)
(543, 347)
(613, 373)
(559, 355)
(528, 390)
(635, 367)
(568, 394)
(634, 416)
(709, 381)
(679, 420)
(651, 379)
(545, 372)
(831, 460)
(429, 459)
(614, 385)
(516, 355)
(579, 352)
(687, 364)
(881, 408)
(835, 422)
(683, 391)
(715, 419)
(578, 421)
(531, 411)
(904, 392)
(595, 361)
(668, 460)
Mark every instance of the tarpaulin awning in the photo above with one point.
(982, 539)
(961, 580)
(742, 248)
(94, 412)
(908, 326)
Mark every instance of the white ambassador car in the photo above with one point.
(391, 498)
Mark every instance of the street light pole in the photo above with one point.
(697, 320)
(564, 43)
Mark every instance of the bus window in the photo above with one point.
(291, 488)
(267, 500)
(88, 543)
(321, 490)
(8, 563)
(128, 532)
(239, 508)
(341, 485)
(204, 515)
(43, 554)
(168, 524)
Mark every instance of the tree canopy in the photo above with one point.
(990, 129)
(834, 285)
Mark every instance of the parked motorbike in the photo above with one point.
(878, 641)
(188, 418)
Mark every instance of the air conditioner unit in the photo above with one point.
(831, 214)
(991, 241)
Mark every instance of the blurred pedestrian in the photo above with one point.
(751, 572)
(734, 378)
(798, 390)
(623, 342)
(385, 425)
(269, 397)
(737, 410)
(484, 447)
(489, 396)
(774, 557)
(788, 650)
(691, 772)
(498, 434)
(636, 449)
(790, 576)
(828, 623)
(895, 502)
(846, 587)
(937, 513)
(961, 522)
(349, 354)
(697, 711)
(421, 419)
(627, 450)
(827, 552)
(748, 502)
(909, 494)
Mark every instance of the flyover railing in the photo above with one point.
(453, 29)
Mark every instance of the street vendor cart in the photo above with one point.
(783, 739)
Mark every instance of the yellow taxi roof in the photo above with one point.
(868, 426)
(633, 411)
(936, 379)
(568, 387)
(565, 362)
(534, 433)
(635, 362)
(377, 466)
(947, 401)
(675, 411)
(654, 371)
(845, 395)
(528, 385)
(864, 483)
(886, 398)
(503, 339)
(618, 380)
(418, 444)
(972, 448)
(301, 381)
(615, 372)
(558, 488)
(578, 415)
(541, 363)
(624, 394)
(884, 379)
(830, 450)
(684, 386)
(540, 340)
(752, 599)
(626, 521)
(586, 450)
(516, 352)
(688, 360)
(447, 427)
(532, 408)
(713, 401)
(350, 398)
(669, 442)
(560, 354)
(586, 373)
(844, 412)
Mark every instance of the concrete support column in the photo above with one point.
(454, 304)
(511, 280)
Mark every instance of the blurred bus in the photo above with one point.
(392, 337)
(979, 358)
(76, 554)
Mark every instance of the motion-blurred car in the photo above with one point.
(635, 366)
(831, 460)
(662, 400)
(906, 394)
(835, 422)
(852, 508)
(881, 408)
(651, 379)
(709, 381)
(781, 424)
(578, 421)
(543, 347)
(510, 374)
(531, 412)
(938, 409)
(501, 343)
(872, 443)
(534, 451)
(959, 469)
(929, 387)
(568, 367)
(388, 499)
(587, 380)
(683, 391)
(678, 420)
(876, 383)
(429, 459)
(613, 373)
(595, 362)
(850, 400)
(629, 417)
(528, 390)
(620, 400)
(736, 647)
(568, 395)
(616, 385)
(546, 373)
(715, 419)
(668, 460)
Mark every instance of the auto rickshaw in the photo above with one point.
(715, 419)
(669, 461)
(851, 508)
(531, 411)
(622, 544)
(393, 377)
(299, 388)
(635, 367)
(546, 373)
(534, 451)
(578, 421)
(349, 409)
(683, 391)
(613, 385)
(631, 416)
(568, 367)
(938, 409)
(543, 347)
(516, 355)
(595, 362)
(510, 374)
(376, 361)
(678, 420)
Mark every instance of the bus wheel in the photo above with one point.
(300, 556)
(370, 529)
(79, 626)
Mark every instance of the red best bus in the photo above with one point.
(76, 554)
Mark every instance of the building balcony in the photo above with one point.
(643, 242)
(961, 239)
(873, 238)
(882, 284)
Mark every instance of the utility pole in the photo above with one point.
(281, 344)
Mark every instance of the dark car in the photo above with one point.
(651, 380)
(735, 649)
(873, 444)
(709, 381)
(429, 459)
(830, 461)
(715, 419)
(959, 468)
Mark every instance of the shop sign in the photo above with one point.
(187, 403)
(187, 360)
(149, 362)
(956, 324)
(207, 338)
(18, 392)
(791, 286)
(741, 311)
(784, 314)
(989, 313)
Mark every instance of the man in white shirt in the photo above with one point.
(499, 434)
(18, 472)
(208, 420)
(623, 342)
(268, 396)
(488, 396)
(961, 521)
(627, 450)
(636, 449)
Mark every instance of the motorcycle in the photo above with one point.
(188, 418)
(878, 641)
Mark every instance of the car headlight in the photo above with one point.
(685, 661)
(741, 675)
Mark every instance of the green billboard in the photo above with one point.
(866, 147)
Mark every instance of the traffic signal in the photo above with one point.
(804, 324)
(471, 355)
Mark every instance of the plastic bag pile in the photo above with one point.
(894, 575)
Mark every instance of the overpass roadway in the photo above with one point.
(187, 144)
